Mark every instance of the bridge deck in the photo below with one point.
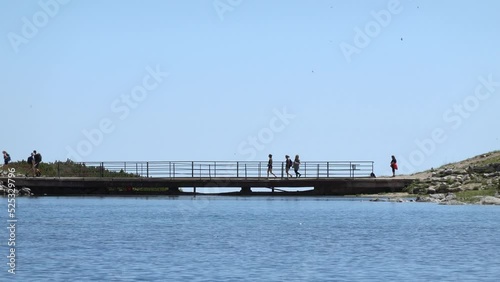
(107, 185)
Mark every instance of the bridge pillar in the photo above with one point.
(173, 190)
(246, 190)
(320, 190)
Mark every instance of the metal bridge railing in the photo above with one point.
(213, 169)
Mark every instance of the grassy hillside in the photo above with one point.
(66, 169)
(479, 160)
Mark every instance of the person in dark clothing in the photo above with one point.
(6, 158)
(270, 166)
(296, 166)
(37, 160)
(38, 157)
(288, 165)
(31, 165)
(394, 165)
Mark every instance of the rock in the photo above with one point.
(455, 189)
(5, 190)
(491, 175)
(450, 197)
(21, 192)
(422, 199)
(431, 190)
(442, 188)
(451, 203)
(26, 191)
(397, 200)
(437, 196)
(486, 168)
(489, 200)
(425, 199)
(448, 171)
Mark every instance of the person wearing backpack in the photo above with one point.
(288, 165)
(6, 157)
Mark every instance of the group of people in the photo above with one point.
(36, 158)
(288, 164)
(34, 161)
(296, 165)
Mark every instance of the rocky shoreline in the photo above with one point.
(438, 198)
(4, 189)
(473, 181)
(451, 199)
(24, 191)
(458, 180)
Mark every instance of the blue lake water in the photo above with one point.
(213, 238)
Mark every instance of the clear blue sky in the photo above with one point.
(329, 80)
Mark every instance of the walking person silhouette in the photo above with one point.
(296, 166)
(270, 166)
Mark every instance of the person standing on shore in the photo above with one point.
(394, 165)
(296, 166)
(37, 160)
(288, 165)
(31, 164)
(6, 160)
(270, 166)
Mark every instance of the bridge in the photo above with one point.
(176, 177)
